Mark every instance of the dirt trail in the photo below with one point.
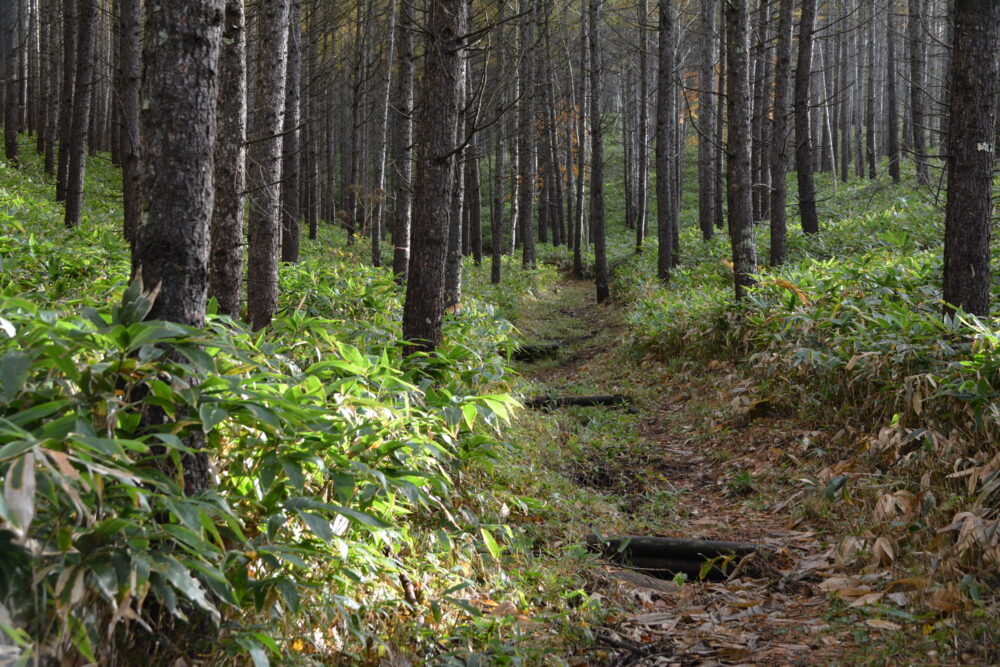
(728, 464)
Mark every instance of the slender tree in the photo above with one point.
(601, 274)
(974, 88)
(892, 101)
(706, 120)
(738, 166)
(130, 58)
(803, 142)
(779, 135)
(402, 160)
(291, 139)
(81, 112)
(226, 268)
(264, 161)
(665, 118)
(67, 95)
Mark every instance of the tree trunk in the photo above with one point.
(803, 144)
(402, 150)
(70, 27)
(526, 138)
(12, 76)
(178, 126)
(290, 155)
(226, 270)
(917, 84)
(264, 162)
(779, 136)
(665, 119)
(870, 98)
(738, 167)
(453, 267)
(130, 17)
(437, 134)
(892, 103)
(602, 279)
(970, 162)
(706, 120)
(81, 112)
(385, 96)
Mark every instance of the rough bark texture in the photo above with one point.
(970, 163)
(706, 121)
(526, 139)
(870, 98)
(81, 112)
(178, 126)
(917, 118)
(290, 161)
(892, 102)
(68, 88)
(11, 75)
(665, 117)
(130, 17)
(436, 139)
(226, 266)
(803, 143)
(779, 135)
(264, 162)
(402, 159)
(738, 168)
(601, 274)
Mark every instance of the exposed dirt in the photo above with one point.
(732, 462)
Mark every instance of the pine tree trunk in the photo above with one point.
(264, 162)
(974, 90)
(226, 269)
(70, 27)
(803, 144)
(291, 141)
(130, 18)
(178, 127)
(917, 83)
(779, 136)
(526, 139)
(738, 167)
(602, 279)
(81, 112)
(665, 119)
(437, 135)
(892, 102)
(402, 151)
(11, 75)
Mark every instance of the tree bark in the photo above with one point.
(972, 127)
(917, 84)
(526, 139)
(803, 143)
(601, 274)
(402, 151)
(81, 112)
(779, 136)
(130, 18)
(70, 27)
(892, 102)
(178, 127)
(738, 167)
(437, 134)
(706, 121)
(290, 150)
(665, 118)
(226, 269)
(264, 162)
(12, 81)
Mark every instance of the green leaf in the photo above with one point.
(318, 525)
(14, 367)
(211, 416)
(491, 544)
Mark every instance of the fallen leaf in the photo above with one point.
(880, 624)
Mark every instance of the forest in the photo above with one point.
(499, 332)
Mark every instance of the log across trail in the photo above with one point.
(692, 485)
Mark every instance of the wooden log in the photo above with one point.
(608, 400)
(666, 557)
(537, 352)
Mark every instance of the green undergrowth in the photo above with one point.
(352, 514)
(849, 336)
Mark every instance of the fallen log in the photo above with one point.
(666, 557)
(613, 400)
(530, 353)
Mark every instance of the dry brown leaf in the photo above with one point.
(870, 598)
(884, 551)
(880, 624)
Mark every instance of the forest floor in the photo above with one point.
(698, 455)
